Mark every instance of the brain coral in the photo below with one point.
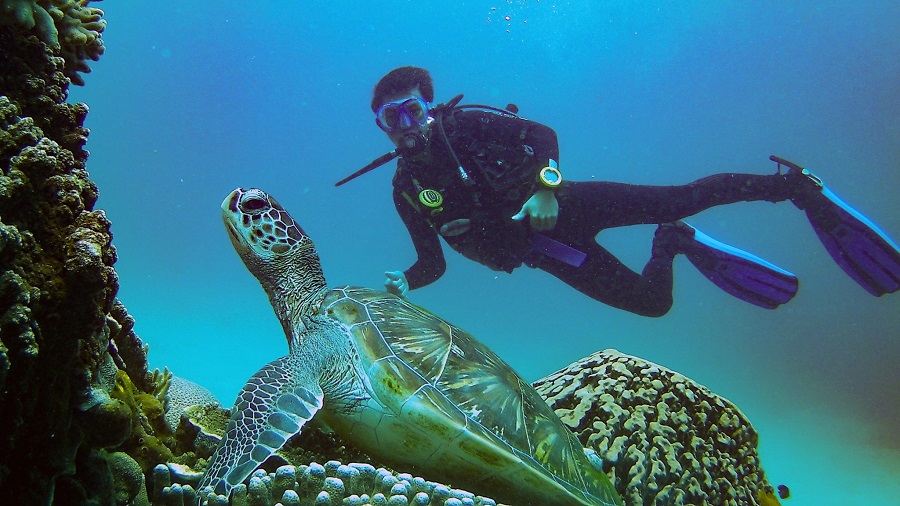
(666, 439)
(183, 394)
(70, 27)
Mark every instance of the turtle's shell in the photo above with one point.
(444, 402)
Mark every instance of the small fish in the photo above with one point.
(783, 491)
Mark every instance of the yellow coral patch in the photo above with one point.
(767, 498)
(147, 443)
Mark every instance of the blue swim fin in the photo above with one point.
(739, 273)
(856, 244)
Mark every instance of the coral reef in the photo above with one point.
(664, 438)
(183, 394)
(150, 438)
(61, 328)
(332, 484)
(128, 479)
(69, 27)
(57, 282)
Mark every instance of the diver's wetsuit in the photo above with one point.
(501, 155)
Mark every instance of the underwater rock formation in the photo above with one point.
(61, 328)
(663, 438)
(70, 28)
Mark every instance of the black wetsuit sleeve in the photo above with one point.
(546, 148)
(543, 141)
(430, 264)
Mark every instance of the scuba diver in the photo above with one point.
(488, 182)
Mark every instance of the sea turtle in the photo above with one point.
(392, 378)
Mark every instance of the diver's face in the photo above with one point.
(404, 114)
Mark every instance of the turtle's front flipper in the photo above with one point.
(272, 407)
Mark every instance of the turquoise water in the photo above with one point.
(195, 98)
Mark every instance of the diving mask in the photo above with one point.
(402, 114)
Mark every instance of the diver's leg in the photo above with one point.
(604, 278)
(594, 206)
(586, 208)
(589, 207)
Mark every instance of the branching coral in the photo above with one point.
(68, 26)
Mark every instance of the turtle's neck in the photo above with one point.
(296, 286)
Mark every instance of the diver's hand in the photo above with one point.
(542, 210)
(395, 283)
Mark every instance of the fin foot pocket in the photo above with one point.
(737, 272)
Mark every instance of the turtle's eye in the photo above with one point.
(254, 204)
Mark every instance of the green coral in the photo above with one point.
(150, 437)
(202, 430)
(68, 26)
(128, 479)
(30, 14)
(108, 422)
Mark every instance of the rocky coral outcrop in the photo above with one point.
(664, 438)
(57, 289)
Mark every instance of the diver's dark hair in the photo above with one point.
(401, 80)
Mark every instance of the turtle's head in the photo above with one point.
(276, 250)
(260, 229)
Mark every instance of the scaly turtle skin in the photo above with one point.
(392, 378)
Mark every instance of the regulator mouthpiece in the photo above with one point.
(413, 143)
